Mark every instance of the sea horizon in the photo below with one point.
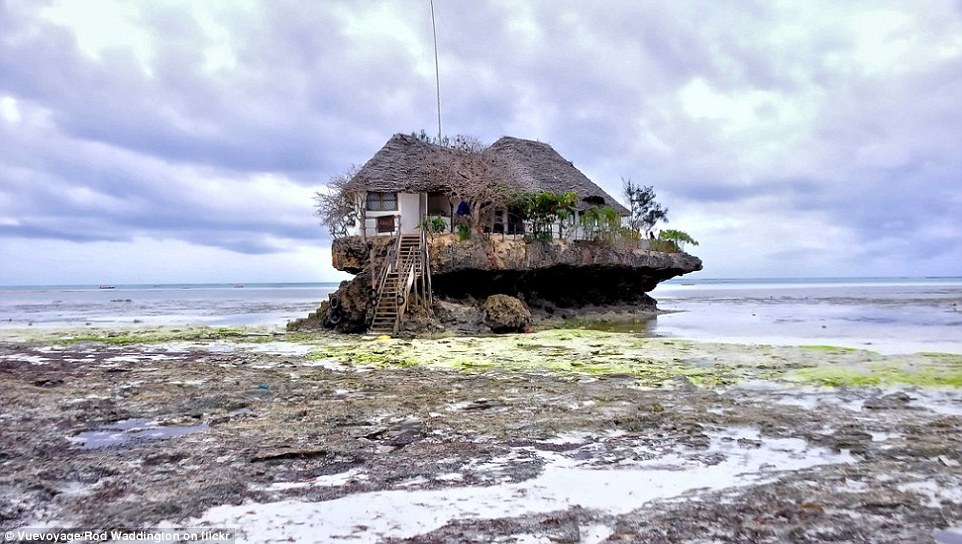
(886, 314)
(681, 280)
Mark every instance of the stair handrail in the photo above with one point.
(409, 274)
(426, 269)
(389, 264)
(386, 267)
(390, 260)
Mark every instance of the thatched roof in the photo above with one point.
(398, 166)
(536, 166)
(403, 163)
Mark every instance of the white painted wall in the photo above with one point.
(408, 209)
(409, 204)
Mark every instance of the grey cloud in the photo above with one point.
(73, 234)
(294, 118)
(308, 98)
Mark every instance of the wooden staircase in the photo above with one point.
(404, 279)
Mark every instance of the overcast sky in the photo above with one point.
(181, 141)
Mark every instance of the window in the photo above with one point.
(439, 204)
(594, 200)
(385, 224)
(381, 202)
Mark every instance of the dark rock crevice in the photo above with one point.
(564, 286)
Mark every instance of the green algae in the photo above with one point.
(827, 348)
(629, 326)
(119, 340)
(382, 354)
(946, 358)
(157, 335)
(594, 354)
(582, 354)
(652, 362)
(881, 375)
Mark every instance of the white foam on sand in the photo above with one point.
(935, 494)
(331, 480)
(564, 483)
(282, 348)
(32, 359)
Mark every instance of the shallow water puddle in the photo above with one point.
(946, 402)
(25, 358)
(124, 432)
(951, 535)
(282, 348)
(139, 357)
(942, 402)
(565, 482)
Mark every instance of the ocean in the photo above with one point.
(888, 315)
(168, 304)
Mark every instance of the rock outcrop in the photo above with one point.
(350, 254)
(345, 310)
(560, 272)
(550, 274)
(505, 314)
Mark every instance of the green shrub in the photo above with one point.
(543, 210)
(433, 225)
(464, 230)
(601, 224)
(666, 246)
(679, 238)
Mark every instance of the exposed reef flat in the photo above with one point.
(566, 435)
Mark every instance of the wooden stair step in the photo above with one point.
(408, 261)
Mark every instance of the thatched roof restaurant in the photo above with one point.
(402, 166)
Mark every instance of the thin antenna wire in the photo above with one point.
(437, 70)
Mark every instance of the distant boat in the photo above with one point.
(239, 286)
(107, 287)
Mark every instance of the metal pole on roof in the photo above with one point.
(437, 70)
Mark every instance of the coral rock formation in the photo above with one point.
(543, 274)
(506, 314)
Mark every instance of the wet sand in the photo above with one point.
(557, 436)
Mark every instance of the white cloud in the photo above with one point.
(101, 25)
(787, 137)
(9, 109)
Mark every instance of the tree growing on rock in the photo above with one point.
(645, 211)
(680, 238)
(465, 168)
(336, 205)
